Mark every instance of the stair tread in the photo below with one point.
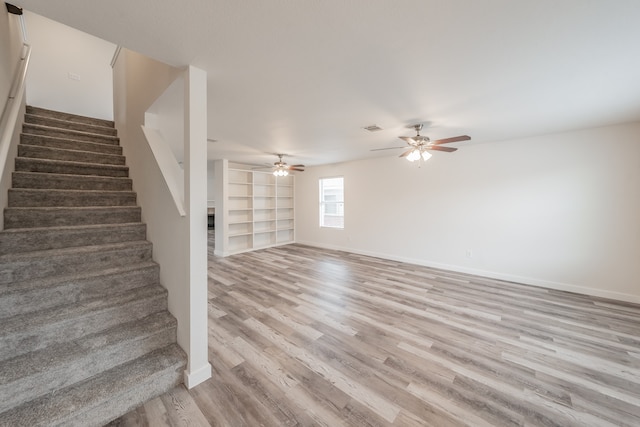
(45, 112)
(51, 253)
(73, 176)
(72, 163)
(67, 150)
(69, 131)
(57, 138)
(87, 227)
(63, 208)
(28, 116)
(52, 281)
(129, 384)
(70, 191)
(25, 323)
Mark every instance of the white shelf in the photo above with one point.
(258, 210)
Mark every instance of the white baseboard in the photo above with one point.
(619, 296)
(192, 379)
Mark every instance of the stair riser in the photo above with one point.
(69, 134)
(69, 182)
(43, 239)
(65, 124)
(67, 144)
(25, 218)
(69, 329)
(36, 198)
(24, 164)
(100, 359)
(30, 300)
(36, 152)
(29, 268)
(69, 117)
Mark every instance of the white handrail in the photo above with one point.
(12, 106)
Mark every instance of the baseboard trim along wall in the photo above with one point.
(198, 376)
(490, 274)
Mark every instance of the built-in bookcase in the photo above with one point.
(259, 211)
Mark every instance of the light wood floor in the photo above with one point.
(302, 336)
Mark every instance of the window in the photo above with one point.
(332, 202)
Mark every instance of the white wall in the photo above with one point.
(179, 242)
(560, 211)
(10, 46)
(58, 51)
(211, 177)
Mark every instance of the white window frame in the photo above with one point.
(323, 204)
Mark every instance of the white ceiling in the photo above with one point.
(303, 77)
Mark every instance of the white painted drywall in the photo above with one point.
(211, 178)
(10, 46)
(165, 115)
(195, 167)
(559, 211)
(61, 52)
(138, 81)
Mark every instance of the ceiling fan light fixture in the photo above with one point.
(414, 155)
(280, 171)
(426, 155)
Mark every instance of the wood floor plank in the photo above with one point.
(303, 336)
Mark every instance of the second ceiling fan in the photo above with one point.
(419, 146)
(280, 168)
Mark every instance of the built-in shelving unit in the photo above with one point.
(257, 212)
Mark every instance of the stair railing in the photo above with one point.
(14, 101)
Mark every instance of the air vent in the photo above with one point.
(372, 128)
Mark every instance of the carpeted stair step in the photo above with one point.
(30, 296)
(36, 331)
(35, 374)
(68, 116)
(69, 182)
(69, 134)
(37, 152)
(105, 397)
(28, 197)
(24, 164)
(69, 144)
(32, 265)
(44, 238)
(67, 124)
(59, 216)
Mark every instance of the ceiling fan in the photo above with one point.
(419, 146)
(280, 168)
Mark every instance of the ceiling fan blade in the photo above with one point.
(388, 148)
(438, 148)
(406, 153)
(452, 139)
(408, 140)
(296, 166)
(296, 169)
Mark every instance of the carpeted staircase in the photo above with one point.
(85, 334)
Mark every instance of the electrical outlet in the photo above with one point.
(469, 253)
(73, 76)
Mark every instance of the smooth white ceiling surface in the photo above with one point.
(303, 77)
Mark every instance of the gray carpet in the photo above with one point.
(85, 334)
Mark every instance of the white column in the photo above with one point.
(195, 170)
